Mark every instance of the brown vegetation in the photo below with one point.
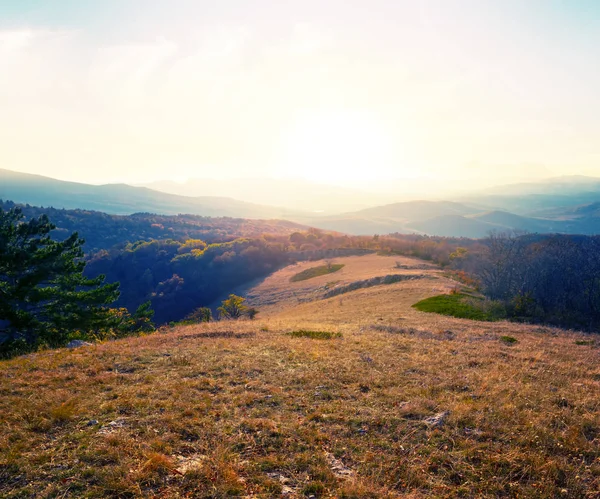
(402, 404)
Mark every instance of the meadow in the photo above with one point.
(359, 395)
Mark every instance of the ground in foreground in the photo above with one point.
(394, 403)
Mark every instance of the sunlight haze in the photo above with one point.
(456, 93)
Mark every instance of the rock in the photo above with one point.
(92, 422)
(473, 432)
(187, 463)
(286, 489)
(112, 426)
(437, 420)
(78, 343)
(339, 469)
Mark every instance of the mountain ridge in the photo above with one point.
(123, 199)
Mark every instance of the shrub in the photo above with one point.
(462, 306)
(201, 314)
(328, 268)
(234, 308)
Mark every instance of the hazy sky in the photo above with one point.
(352, 92)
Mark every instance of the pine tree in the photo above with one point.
(44, 295)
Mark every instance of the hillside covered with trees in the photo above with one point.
(182, 263)
(103, 231)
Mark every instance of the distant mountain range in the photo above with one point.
(295, 194)
(443, 218)
(564, 204)
(122, 199)
(568, 205)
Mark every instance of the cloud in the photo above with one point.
(14, 40)
(35, 63)
(308, 38)
(124, 72)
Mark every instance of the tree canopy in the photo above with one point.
(44, 296)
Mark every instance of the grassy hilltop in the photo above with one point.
(358, 395)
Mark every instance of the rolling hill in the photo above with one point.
(537, 208)
(412, 211)
(123, 199)
(294, 194)
(452, 219)
(396, 217)
(539, 199)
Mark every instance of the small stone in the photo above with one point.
(437, 420)
(92, 422)
(78, 343)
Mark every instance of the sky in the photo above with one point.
(354, 93)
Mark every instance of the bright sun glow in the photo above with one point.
(340, 147)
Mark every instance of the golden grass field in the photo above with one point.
(403, 405)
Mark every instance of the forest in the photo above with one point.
(552, 279)
(180, 276)
(103, 231)
(182, 263)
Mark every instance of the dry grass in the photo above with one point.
(276, 291)
(403, 404)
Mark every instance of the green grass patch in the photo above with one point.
(316, 272)
(462, 306)
(315, 335)
(585, 342)
(509, 340)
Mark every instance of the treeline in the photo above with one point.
(553, 279)
(104, 231)
(179, 277)
(436, 249)
(181, 263)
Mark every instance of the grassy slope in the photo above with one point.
(245, 409)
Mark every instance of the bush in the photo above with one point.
(234, 308)
(201, 314)
(328, 268)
